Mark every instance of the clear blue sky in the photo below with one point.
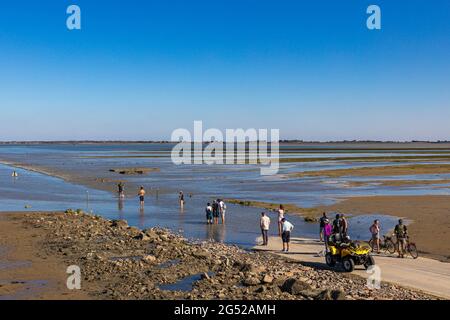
(140, 69)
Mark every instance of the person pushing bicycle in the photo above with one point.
(401, 233)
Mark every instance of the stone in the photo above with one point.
(149, 258)
(119, 224)
(295, 286)
(267, 279)
(251, 281)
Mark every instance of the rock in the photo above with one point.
(142, 236)
(119, 224)
(310, 219)
(251, 281)
(202, 254)
(267, 279)
(205, 275)
(149, 258)
(295, 286)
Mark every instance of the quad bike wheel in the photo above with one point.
(348, 264)
(329, 260)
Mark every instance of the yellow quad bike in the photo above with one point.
(349, 254)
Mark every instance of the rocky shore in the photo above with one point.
(122, 262)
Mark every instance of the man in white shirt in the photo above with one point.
(286, 235)
(222, 209)
(264, 223)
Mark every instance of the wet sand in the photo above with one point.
(26, 271)
(378, 171)
(430, 215)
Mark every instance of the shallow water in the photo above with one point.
(184, 284)
(43, 192)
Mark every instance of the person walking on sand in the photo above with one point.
(322, 225)
(141, 195)
(209, 214)
(401, 233)
(215, 207)
(327, 231)
(287, 228)
(222, 209)
(181, 199)
(264, 224)
(280, 217)
(120, 190)
(375, 231)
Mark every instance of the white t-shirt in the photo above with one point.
(265, 222)
(222, 205)
(287, 226)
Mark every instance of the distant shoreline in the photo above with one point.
(282, 142)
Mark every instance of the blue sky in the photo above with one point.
(140, 69)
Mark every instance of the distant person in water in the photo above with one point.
(287, 228)
(141, 195)
(280, 217)
(222, 210)
(120, 190)
(181, 199)
(14, 174)
(209, 214)
(322, 225)
(215, 207)
(264, 224)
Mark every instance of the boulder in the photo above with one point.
(295, 286)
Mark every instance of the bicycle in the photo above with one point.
(387, 245)
(410, 248)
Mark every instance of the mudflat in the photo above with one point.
(413, 169)
(430, 225)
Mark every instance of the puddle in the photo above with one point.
(168, 264)
(184, 284)
(22, 289)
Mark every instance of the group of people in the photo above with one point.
(338, 228)
(284, 228)
(214, 211)
(400, 233)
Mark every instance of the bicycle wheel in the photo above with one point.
(389, 246)
(412, 250)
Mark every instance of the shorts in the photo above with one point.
(321, 229)
(216, 214)
(141, 198)
(286, 236)
(209, 216)
(376, 236)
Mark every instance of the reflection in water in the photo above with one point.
(215, 232)
(120, 208)
(141, 217)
